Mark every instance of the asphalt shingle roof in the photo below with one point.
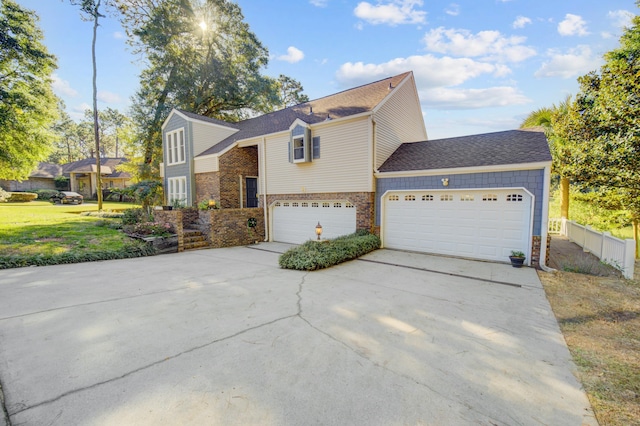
(489, 149)
(343, 104)
(85, 166)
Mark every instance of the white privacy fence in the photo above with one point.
(616, 252)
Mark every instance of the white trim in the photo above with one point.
(383, 201)
(299, 122)
(464, 170)
(175, 146)
(175, 185)
(262, 176)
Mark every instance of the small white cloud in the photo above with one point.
(489, 45)
(62, 87)
(453, 9)
(392, 13)
(108, 97)
(620, 18)
(521, 21)
(118, 35)
(293, 55)
(577, 61)
(573, 25)
(319, 3)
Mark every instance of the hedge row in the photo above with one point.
(130, 250)
(20, 197)
(314, 255)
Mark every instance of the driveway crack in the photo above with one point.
(148, 366)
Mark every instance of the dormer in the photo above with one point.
(303, 148)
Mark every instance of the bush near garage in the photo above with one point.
(314, 255)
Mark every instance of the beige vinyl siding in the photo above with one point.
(207, 135)
(206, 164)
(344, 164)
(399, 120)
(161, 166)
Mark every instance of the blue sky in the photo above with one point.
(480, 65)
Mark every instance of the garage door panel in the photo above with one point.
(482, 224)
(295, 221)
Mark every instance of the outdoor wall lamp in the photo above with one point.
(445, 181)
(318, 230)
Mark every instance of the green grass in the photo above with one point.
(590, 214)
(39, 232)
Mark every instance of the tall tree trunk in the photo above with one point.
(96, 128)
(564, 197)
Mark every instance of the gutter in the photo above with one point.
(262, 152)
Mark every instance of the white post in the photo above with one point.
(629, 258)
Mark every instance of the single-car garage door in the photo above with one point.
(480, 224)
(295, 221)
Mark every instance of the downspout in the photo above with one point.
(263, 178)
(545, 220)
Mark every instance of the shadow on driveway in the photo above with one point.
(226, 337)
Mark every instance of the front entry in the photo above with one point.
(251, 183)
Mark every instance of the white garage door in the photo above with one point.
(295, 221)
(480, 224)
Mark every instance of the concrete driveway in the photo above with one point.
(226, 337)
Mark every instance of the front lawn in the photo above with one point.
(39, 233)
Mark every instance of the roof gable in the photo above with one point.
(489, 149)
(358, 100)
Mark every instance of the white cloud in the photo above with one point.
(293, 55)
(118, 35)
(521, 21)
(453, 9)
(319, 3)
(577, 61)
(621, 18)
(490, 45)
(62, 87)
(572, 25)
(108, 97)
(428, 70)
(391, 13)
(448, 98)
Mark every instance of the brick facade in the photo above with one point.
(207, 186)
(224, 185)
(535, 250)
(364, 202)
(228, 227)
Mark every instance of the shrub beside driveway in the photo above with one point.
(40, 233)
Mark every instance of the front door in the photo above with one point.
(252, 192)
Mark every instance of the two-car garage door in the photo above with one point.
(295, 221)
(480, 224)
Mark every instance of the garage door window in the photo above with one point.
(466, 197)
(446, 197)
(409, 197)
(427, 197)
(489, 197)
(394, 198)
(514, 197)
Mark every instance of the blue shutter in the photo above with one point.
(316, 147)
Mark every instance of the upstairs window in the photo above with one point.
(302, 147)
(175, 146)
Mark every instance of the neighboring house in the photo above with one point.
(43, 177)
(360, 159)
(81, 174)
